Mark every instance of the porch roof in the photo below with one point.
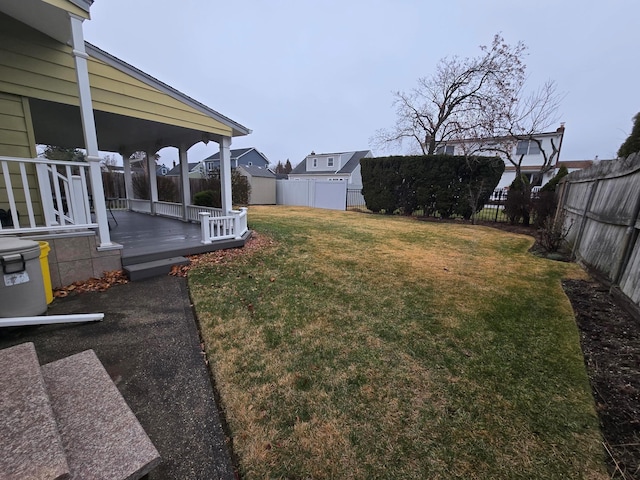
(125, 129)
(132, 110)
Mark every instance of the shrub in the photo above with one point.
(441, 185)
(167, 190)
(207, 198)
(545, 204)
(517, 204)
(553, 232)
(240, 190)
(140, 186)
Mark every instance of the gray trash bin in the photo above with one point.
(22, 291)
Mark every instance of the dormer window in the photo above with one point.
(315, 162)
(330, 162)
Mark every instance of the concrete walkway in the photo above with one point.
(149, 345)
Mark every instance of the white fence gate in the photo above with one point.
(312, 193)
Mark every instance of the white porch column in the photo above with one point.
(89, 130)
(153, 181)
(225, 174)
(185, 186)
(128, 178)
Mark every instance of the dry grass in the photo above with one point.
(362, 346)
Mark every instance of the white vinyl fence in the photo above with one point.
(312, 193)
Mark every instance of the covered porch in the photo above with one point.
(56, 89)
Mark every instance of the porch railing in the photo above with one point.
(41, 195)
(215, 224)
(223, 227)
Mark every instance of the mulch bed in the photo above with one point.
(610, 338)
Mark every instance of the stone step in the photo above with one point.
(155, 268)
(30, 445)
(101, 436)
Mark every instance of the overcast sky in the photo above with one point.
(319, 75)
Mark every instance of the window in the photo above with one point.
(209, 166)
(527, 147)
(534, 179)
(330, 162)
(445, 149)
(315, 162)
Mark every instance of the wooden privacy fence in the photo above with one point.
(602, 206)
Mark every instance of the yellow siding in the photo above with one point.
(17, 140)
(15, 137)
(69, 7)
(117, 92)
(36, 66)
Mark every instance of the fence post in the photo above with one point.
(204, 227)
(236, 225)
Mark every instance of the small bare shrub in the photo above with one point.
(553, 233)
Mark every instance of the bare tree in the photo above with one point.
(523, 120)
(108, 163)
(442, 105)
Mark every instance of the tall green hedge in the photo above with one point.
(441, 185)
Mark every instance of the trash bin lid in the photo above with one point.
(14, 245)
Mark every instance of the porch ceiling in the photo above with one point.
(60, 124)
(45, 16)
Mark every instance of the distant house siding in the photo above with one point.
(356, 178)
(263, 191)
(250, 158)
(253, 158)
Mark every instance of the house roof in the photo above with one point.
(576, 163)
(48, 17)
(236, 153)
(132, 110)
(559, 131)
(349, 166)
(353, 162)
(175, 171)
(256, 171)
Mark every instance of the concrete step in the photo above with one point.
(101, 436)
(154, 268)
(30, 446)
(132, 256)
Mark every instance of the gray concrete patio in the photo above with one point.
(149, 344)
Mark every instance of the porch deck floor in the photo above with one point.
(148, 237)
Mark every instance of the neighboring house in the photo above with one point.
(262, 182)
(529, 150)
(194, 169)
(240, 156)
(340, 167)
(575, 165)
(56, 89)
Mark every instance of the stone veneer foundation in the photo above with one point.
(74, 257)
